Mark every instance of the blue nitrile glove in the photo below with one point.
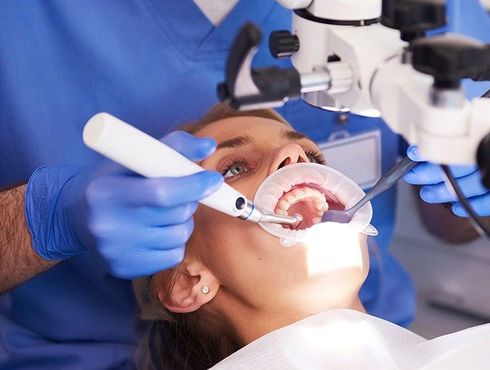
(435, 190)
(137, 226)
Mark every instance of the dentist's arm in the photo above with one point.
(135, 226)
(18, 260)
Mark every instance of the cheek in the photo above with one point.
(235, 250)
(248, 185)
(239, 253)
(227, 245)
(243, 257)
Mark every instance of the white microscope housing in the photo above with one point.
(370, 57)
(372, 78)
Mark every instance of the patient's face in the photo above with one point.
(251, 264)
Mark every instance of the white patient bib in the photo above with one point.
(346, 339)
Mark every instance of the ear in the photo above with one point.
(194, 286)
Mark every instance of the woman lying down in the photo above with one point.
(240, 299)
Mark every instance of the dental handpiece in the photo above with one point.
(149, 157)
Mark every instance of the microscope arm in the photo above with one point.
(372, 57)
(247, 88)
(424, 102)
(449, 132)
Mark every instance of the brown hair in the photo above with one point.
(191, 341)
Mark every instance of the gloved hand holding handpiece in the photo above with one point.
(137, 225)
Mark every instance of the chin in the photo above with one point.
(329, 255)
(333, 274)
(322, 294)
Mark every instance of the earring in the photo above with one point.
(205, 289)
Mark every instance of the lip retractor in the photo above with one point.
(337, 189)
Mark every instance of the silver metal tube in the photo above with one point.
(318, 80)
(280, 219)
(251, 213)
(334, 78)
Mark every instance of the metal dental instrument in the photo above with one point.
(148, 157)
(384, 183)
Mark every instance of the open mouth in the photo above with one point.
(308, 200)
(308, 190)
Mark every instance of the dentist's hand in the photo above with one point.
(137, 226)
(434, 189)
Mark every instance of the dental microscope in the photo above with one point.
(373, 57)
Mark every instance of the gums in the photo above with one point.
(307, 207)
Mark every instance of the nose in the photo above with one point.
(286, 155)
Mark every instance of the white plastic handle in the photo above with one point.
(149, 157)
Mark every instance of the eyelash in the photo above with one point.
(316, 155)
(233, 162)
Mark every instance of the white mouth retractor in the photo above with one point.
(332, 182)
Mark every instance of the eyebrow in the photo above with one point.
(247, 140)
(294, 135)
(235, 142)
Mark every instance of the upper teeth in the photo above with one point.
(296, 195)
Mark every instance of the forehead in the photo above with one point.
(256, 127)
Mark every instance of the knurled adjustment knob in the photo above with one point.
(283, 43)
(413, 17)
(449, 59)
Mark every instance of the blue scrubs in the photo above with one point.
(155, 64)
